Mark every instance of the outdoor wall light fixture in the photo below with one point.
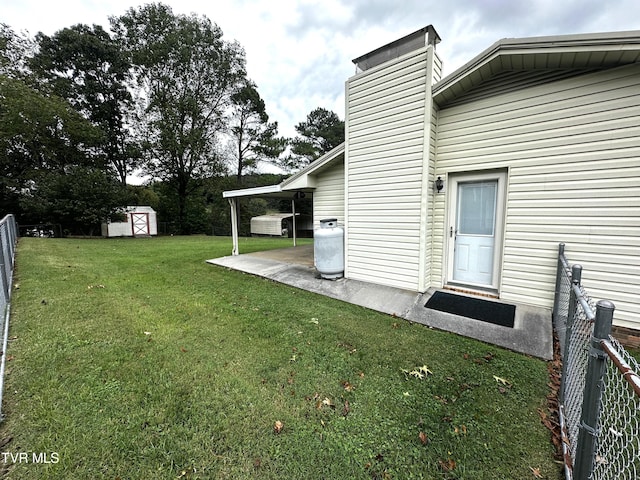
(439, 184)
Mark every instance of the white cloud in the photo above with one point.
(299, 52)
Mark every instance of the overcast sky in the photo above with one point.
(299, 52)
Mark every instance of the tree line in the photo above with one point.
(161, 95)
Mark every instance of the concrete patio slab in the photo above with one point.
(531, 334)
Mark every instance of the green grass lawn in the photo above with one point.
(134, 359)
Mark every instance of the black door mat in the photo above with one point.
(484, 310)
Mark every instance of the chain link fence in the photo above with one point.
(599, 405)
(8, 240)
(575, 364)
(618, 448)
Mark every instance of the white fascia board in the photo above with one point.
(249, 192)
(305, 178)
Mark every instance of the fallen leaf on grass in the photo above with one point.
(501, 380)
(327, 401)
(182, 349)
(348, 386)
(423, 438)
(462, 429)
(447, 465)
(442, 400)
(346, 409)
(486, 359)
(277, 427)
(417, 372)
(536, 472)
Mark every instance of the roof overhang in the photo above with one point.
(266, 191)
(306, 178)
(583, 51)
(302, 181)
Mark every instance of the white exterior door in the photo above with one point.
(475, 229)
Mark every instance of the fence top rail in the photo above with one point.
(589, 313)
(6, 218)
(627, 371)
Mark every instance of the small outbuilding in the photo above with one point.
(281, 225)
(140, 221)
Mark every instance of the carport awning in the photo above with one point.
(303, 181)
(265, 191)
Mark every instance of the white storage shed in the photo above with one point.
(279, 224)
(140, 221)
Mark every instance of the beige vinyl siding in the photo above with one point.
(432, 255)
(385, 142)
(572, 148)
(328, 197)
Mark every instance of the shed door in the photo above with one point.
(475, 232)
(140, 224)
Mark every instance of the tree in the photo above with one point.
(254, 138)
(37, 133)
(321, 132)
(14, 51)
(85, 66)
(49, 169)
(79, 199)
(186, 74)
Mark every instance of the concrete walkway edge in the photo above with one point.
(531, 334)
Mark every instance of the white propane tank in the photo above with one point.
(328, 249)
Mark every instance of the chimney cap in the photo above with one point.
(418, 39)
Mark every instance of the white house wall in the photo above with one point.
(385, 154)
(328, 197)
(572, 148)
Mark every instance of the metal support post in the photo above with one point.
(234, 225)
(559, 273)
(294, 225)
(596, 369)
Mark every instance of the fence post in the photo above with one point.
(559, 273)
(4, 265)
(586, 448)
(576, 277)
